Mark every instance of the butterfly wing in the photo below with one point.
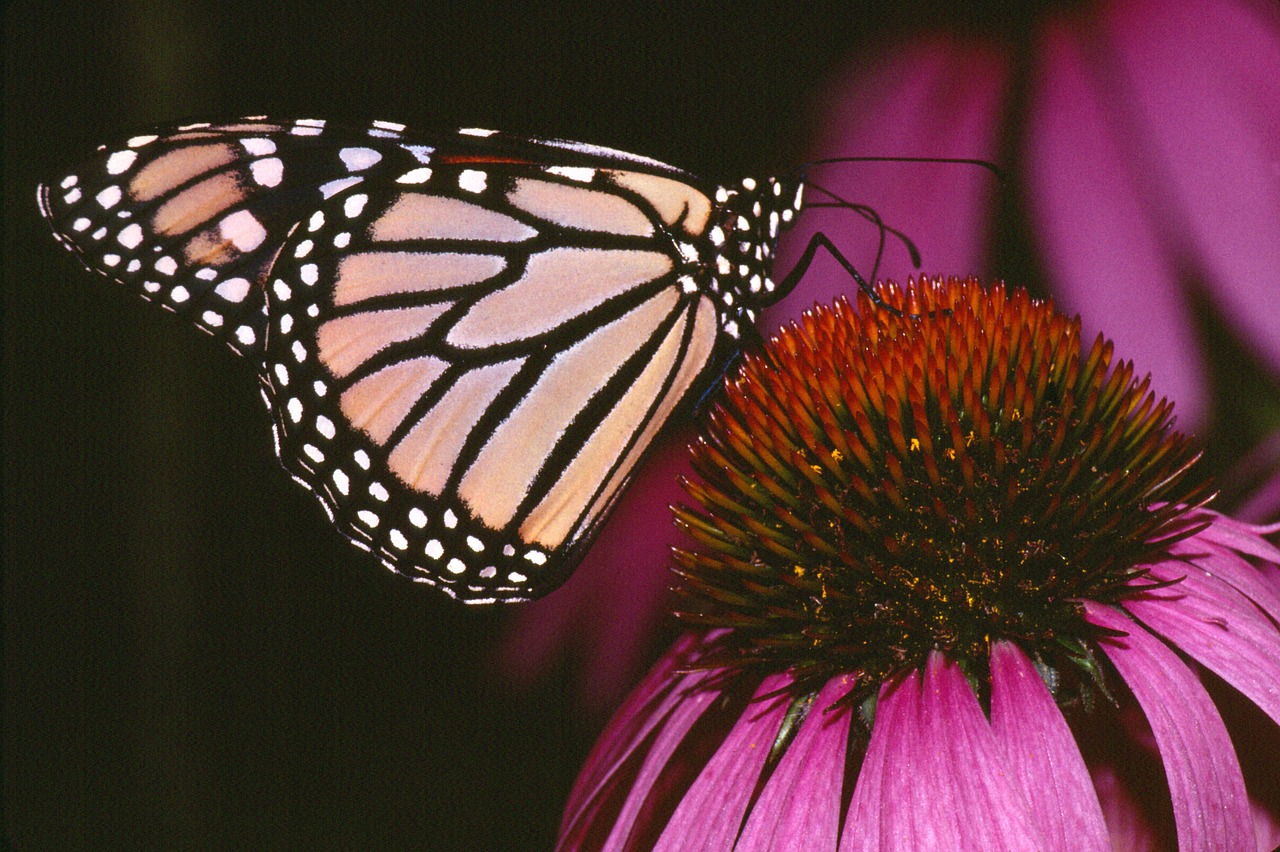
(192, 217)
(466, 361)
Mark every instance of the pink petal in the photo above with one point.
(939, 97)
(933, 776)
(1237, 535)
(1210, 805)
(1233, 568)
(1204, 96)
(645, 708)
(1212, 622)
(1107, 258)
(1042, 754)
(710, 815)
(800, 804)
(662, 732)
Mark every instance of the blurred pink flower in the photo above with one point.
(1142, 137)
(953, 592)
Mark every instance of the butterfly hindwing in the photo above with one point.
(467, 364)
(191, 217)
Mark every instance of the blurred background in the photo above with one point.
(193, 657)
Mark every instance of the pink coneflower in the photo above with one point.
(955, 588)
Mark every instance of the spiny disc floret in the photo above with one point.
(939, 473)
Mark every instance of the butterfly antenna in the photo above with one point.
(802, 173)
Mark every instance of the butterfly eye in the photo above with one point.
(467, 341)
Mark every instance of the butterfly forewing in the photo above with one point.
(192, 218)
(467, 341)
(467, 365)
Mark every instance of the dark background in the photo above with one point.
(193, 658)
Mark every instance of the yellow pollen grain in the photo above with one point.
(915, 445)
(837, 455)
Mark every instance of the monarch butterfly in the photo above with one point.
(466, 341)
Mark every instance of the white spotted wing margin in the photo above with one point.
(191, 216)
(467, 364)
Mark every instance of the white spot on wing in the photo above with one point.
(359, 159)
(233, 289)
(268, 172)
(581, 173)
(258, 146)
(475, 131)
(244, 230)
(434, 549)
(419, 175)
(354, 205)
(333, 187)
(130, 236)
(472, 180)
(120, 161)
(109, 197)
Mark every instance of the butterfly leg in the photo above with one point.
(820, 240)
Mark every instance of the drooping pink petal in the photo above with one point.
(662, 732)
(1210, 805)
(1237, 535)
(801, 801)
(1212, 622)
(1228, 564)
(1106, 257)
(644, 708)
(934, 777)
(1042, 754)
(1203, 93)
(936, 97)
(711, 812)
(616, 598)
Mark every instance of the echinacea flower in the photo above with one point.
(954, 588)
